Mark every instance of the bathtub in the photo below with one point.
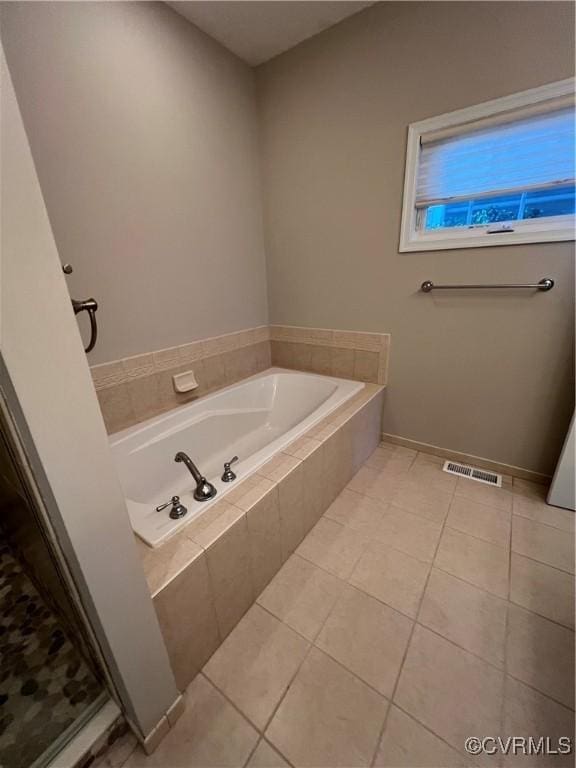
(253, 420)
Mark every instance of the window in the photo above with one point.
(499, 173)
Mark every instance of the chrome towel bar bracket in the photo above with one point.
(546, 284)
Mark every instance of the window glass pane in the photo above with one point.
(534, 204)
(491, 209)
(549, 202)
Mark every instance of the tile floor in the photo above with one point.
(420, 610)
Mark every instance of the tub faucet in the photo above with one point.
(204, 489)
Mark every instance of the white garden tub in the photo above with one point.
(253, 420)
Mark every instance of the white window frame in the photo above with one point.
(528, 231)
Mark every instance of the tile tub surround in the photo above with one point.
(137, 388)
(347, 659)
(205, 578)
(345, 354)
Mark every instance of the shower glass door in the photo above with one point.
(50, 683)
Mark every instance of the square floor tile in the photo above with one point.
(302, 595)
(483, 564)
(334, 547)
(449, 690)
(391, 576)
(541, 654)
(386, 459)
(376, 483)
(423, 501)
(466, 615)
(255, 664)
(544, 543)
(356, 511)
(265, 756)
(480, 520)
(527, 712)
(407, 744)
(209, 734)
(536, 509)
(412, 534)
(431, 476)
(366, 637)
(328, 717)
(542, 589)
(501, 498)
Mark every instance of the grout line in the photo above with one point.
(415, 621)
(408, 645)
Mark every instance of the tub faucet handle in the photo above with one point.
(228, 475)
(178, 510)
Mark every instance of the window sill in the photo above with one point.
(481, 239)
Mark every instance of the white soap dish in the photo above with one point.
(185, 382)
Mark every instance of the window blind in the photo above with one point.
(530, 153)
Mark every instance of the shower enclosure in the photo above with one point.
(50, 681)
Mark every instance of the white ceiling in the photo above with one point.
(257, 31)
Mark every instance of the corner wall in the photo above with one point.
(144, 135)
(487, 374)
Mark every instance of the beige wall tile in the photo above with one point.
(230, 569)
(342, 362)
(366, 366)
(301, 595)
(138, 365)
(107, 374)
(544, 543)
(250, 491)
(313, 484)
(213, 523)
(466, 615)
(116, 407)
(213, 375)
(263, 521)
(302, 356)
(541, 654)
(255, 664)
(449, 690)
(283, 354)
(366, 637)
(483, 564)
(407, 744)
(190, 353)
(293, 512)
(187, 618)
(542, 589)
(320, 360)
(392, 577)
(162, 563)
(328, 717)
(145, 397)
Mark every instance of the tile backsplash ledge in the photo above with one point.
(137, 388)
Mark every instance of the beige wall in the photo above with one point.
(144, 135)
(490, 375)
